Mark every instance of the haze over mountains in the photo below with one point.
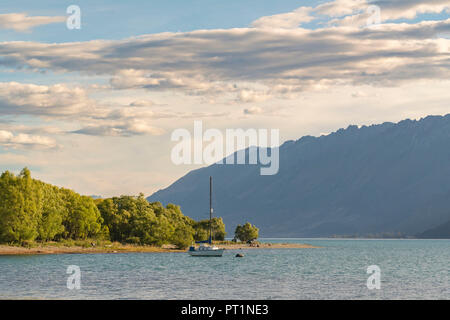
(387, 178)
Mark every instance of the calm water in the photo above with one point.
(410, 269)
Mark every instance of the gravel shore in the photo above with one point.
(51, 249)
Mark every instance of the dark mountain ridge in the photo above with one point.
(391, 177)
(439, 232)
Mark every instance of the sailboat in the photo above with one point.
(206, 248)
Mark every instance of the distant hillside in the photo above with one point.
(440, 232)
(387, 178)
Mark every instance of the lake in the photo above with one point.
(409, 269)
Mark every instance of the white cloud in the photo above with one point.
(277, 55)
(22, 140)
(288, 20)
(248, 95)
(354, 13)
(57, 100)
(73, 105)
(359, 94)
(22, 22)
(390, 10)
(410, 9)
(141, 103)
(253, 111)
(121, 128)
(214, 63)
(340, 8)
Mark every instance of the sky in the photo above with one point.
(92, 109)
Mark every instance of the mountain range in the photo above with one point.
(385, 178)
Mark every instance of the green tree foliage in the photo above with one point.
(19, 214)
(135, 220)
(183, 236)
(32, 210)
(83, 219)
(50, 225)
(202, 229)
(247, 232)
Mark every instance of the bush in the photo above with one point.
(133, 240)
(247, 232)
(27, 243)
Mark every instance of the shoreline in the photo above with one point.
(6, 250)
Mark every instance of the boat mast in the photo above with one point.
(210, 209)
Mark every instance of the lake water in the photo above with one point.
(410, 269)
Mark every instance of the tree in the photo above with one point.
(50, 225)
(183, 236)
(247, 232)
(19, 214)
(33, 210)
(135, 220)
(84, 219)
(201, 229)
(53, 212)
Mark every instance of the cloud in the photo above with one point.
(72, 105)
(21, 22)
(359, 94)
(53, 101)
(123, 129)
(179, 80)
(391, 10)
(410, 9)
(253, 111)
(22, 140)
(359, 13)
(46, 130)
(249, 95)
(141, 103)
(274, 59)
(354, 13)
(220, 63)
(288, 20)
(340, 8)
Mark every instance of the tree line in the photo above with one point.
(32, 210)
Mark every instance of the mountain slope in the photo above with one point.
(440, 232)
(380, 178)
